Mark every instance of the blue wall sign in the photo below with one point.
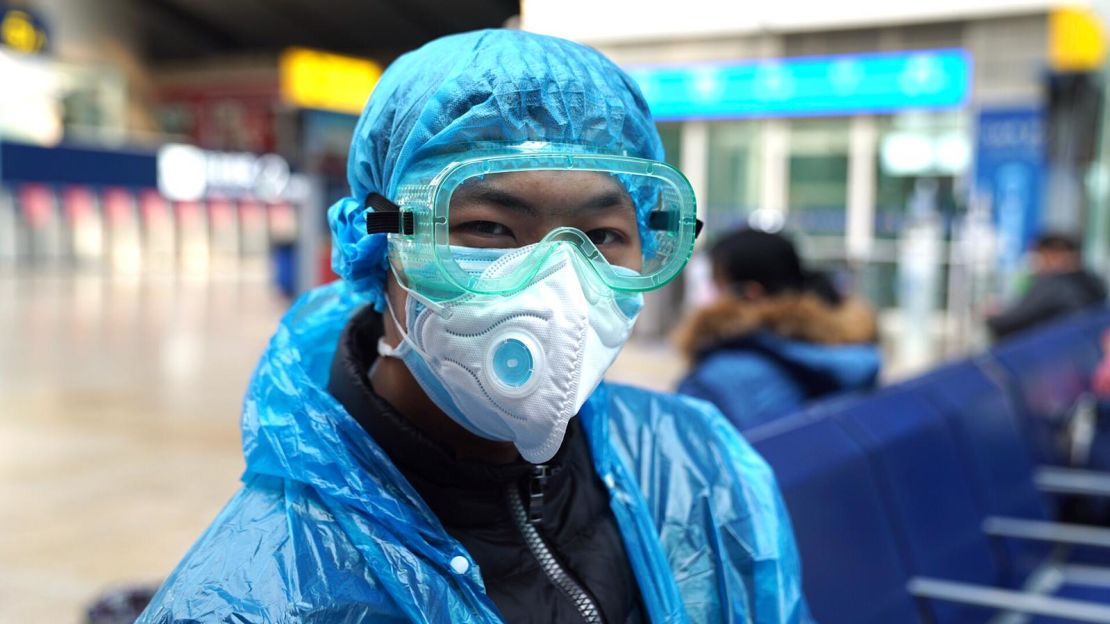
(807, 86)
(77, 165)
(1010, 173)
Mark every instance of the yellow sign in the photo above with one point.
(1076, 40)
(314, 79)
(19, 31)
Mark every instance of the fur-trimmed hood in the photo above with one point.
(804, 318)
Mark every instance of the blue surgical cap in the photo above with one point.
(490, 85)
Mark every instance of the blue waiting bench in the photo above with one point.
(919, 503)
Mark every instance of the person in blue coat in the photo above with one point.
(777, 337)
(430, 440)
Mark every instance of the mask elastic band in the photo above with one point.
(435, 308)
(404, 334)
(428, 303)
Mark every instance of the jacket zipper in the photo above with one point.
(527, 521)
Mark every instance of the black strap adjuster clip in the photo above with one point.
(668, 220)
(387, 217)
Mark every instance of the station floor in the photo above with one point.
(119, 438)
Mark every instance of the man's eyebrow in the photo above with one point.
(605, 200)
(482, 192)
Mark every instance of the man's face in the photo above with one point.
(509, 210)
(1055, 261)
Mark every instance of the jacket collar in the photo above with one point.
(804, 318)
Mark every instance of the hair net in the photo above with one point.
(490, 85)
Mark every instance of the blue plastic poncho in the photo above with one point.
(326, 529)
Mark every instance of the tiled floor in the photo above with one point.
(119, 434)
(118, 428)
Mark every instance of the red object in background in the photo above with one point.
(324, 273)
(220, 213)
(224, 113)
(117, 205)
(252, 214)
(282, 223)
(153, 207)
(37, 203)
(188, 214)
(78, 203)
(1101, 381)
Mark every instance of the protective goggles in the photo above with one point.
(632, 220)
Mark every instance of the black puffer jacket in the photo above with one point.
(1049, 296)
(563, 500)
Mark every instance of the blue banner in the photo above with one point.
(1010, 174)
(77, 165)
(809, 86)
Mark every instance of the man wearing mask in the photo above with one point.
(430, 440)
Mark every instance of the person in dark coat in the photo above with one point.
(778, 337)
(1060, 286)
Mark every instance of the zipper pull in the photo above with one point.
(536, 483)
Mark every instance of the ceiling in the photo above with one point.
(179, 30)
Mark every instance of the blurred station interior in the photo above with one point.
(166, 166)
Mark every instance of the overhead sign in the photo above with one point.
(807, 86)
(315, 79)
(655, 21)
(22, 31)
(188, 173)
(1076, 40)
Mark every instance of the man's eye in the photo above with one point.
(605, 237)
(484, 228)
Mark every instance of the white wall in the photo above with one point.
(103, 33)
(613, 21)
